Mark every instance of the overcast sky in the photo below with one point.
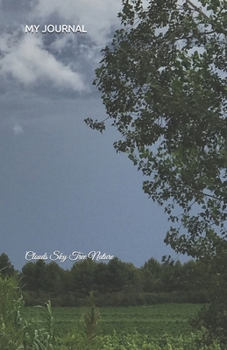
(62, 185)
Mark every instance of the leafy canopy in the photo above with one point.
(163, 84)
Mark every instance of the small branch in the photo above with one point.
(197, 9)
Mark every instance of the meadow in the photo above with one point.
(154, 327)
(161, 326)
(154, 320)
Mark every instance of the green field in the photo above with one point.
(156, 327)
(153, 320)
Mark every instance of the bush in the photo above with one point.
(15, 331)
(141, 342)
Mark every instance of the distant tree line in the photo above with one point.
(115, 283)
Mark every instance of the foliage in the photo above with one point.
(20, 331)
(152, 321)
(212, 321)
(16, 332)
(86, 339)
(138, 342)
(163, 83)
(115, 283)
(126, 337)
(6, 268)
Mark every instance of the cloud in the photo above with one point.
(17, 129)
(62, 41)
(37, 60)
(98, 16)
(27, 61)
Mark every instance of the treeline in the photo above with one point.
(115, 283)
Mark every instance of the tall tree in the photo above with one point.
(163, 83)
(55, 278)
(6, 268)
(152, 273)
(34, 276)
(82, 277)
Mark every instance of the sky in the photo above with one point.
(63, 187)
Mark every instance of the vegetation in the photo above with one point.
(163, 83)
(114, 284)
(153, 321)
(122, 284)
(15, 331)
(23, 332)
(6, 268)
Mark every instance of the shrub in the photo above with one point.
(15, 332)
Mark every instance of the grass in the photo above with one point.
(158, 327)
(154, 320)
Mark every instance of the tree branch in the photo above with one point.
(197, 9)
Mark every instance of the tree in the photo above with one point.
(152, 272)
(163, 83)
(122, 276)
(82, 277)
(34, 276)
(55, 278)
(28, 274)
(6, 268)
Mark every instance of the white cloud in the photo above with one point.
(27, 61)
(97, 16)
(61, 42)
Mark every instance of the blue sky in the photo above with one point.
(62, 185)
